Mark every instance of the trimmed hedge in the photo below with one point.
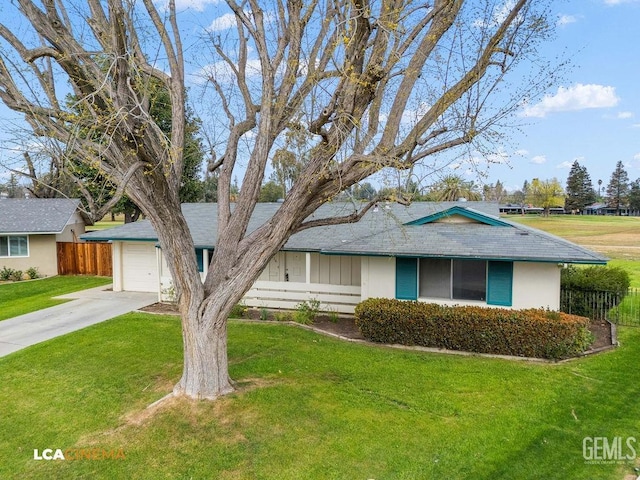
(599, 278)
(593, 291)
(525, 333)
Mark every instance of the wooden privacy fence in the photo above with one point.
(88, 258)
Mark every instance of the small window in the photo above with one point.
(14, 246)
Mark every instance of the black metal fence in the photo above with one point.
(621, 308)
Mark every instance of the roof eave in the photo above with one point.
(361, 253)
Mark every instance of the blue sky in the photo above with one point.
(592, 115)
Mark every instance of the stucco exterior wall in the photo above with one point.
(42, 255)
(116, 255)
(536, 285)
(74, 228)
(378, 278)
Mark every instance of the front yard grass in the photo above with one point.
(18, 298)
(310, 407)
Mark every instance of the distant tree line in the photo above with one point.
(620, 194)
(200, 184)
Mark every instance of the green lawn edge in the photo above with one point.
(309, 407)
(18, 298)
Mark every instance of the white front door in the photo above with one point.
(295, 267)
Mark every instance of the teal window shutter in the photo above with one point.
(407, 278)
(500, 283)
(200, 259)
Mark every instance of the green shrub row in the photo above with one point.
(599, 278)
(593, 291)
(526, 333)
(17, 275)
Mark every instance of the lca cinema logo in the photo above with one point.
(605, 450)
(78, 454)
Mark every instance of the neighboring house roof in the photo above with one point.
(423, 229)
(597, 206)
(36, 215)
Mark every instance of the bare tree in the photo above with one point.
(353, 68)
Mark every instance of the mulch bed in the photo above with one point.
(345, 326)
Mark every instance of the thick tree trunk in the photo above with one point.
(205, 372)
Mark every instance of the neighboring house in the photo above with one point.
(438, 252)
(30, 228)
(604, 209)
(514, 208)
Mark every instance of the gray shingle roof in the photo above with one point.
(36, 215)
(383, 232)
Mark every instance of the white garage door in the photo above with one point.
(139, 267)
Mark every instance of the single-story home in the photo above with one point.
(604, 209)
(30, 228)
(447, 253)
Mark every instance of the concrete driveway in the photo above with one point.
(87, 308)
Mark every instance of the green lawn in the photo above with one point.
(616, 237)
(17, 298)
(105, 224)
(310, 407)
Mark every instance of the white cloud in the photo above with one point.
(566, 19)
(636, 156)
(411, 116)
(498, 15)
(618, 2)
(501, 14)
(623, 115)
(573, 98)
(228, 20)
(521, 153)
(223, 73)
(539, 159)
(197, 5)
(564, 165)
(224, 22)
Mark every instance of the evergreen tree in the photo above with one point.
(192, 187)
(364, 191)
(525, 190)
(271, 192)
(495, 193)
(580, 191)
(13, 187)
(634, 196)
(618, 188)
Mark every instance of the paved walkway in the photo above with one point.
(88, 307)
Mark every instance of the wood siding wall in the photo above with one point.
(84, 259)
